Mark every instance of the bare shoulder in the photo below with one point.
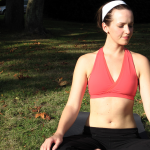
(86, 59)
(141, 62)
(139, 58)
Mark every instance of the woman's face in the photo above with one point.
(120, 29)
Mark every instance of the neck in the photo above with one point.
(111, 47)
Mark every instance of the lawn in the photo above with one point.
(36, 73)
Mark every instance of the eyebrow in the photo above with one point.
(125, 23)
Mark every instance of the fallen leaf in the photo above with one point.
(34, 110)
(43, 116)
(63, 83)
(37, 115)
(67, 91)
(1, 114)
(37, 109)
(47, 117)
(1, 72)
(5, 106)
(12, 50)
(21, 77)
(1, 63)
(60, 79)
(140, 101)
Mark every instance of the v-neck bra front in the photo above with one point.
(101, 83)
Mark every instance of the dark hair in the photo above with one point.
(108, 17)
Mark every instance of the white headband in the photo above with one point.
(109, 6)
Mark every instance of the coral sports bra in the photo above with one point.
(101, 84)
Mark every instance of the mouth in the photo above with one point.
(126, 37)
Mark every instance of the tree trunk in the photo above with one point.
(34, 16)
(14, 16)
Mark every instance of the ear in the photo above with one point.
(105, 27)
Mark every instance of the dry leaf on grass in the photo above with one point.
(43, 116)
(1, 114)
(67, 91)
(1, 63)
(37, 109)
(21, 77)
(63, 83)
(60, 79)
(140, 101)
(1, 72)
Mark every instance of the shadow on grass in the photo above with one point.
(55, 56)
(43, 69)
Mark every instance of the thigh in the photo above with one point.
(79, 142)
(138, 144)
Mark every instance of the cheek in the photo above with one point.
(117, 33)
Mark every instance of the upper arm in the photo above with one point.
(144, 80)
(79, 83)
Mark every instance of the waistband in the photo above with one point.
(102, 131)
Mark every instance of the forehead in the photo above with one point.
(123, 15)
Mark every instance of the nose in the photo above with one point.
(127, 29)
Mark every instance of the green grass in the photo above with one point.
(45, 59)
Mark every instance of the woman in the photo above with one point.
(112, 74)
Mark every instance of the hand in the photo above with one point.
(56, 139)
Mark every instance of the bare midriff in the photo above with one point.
(111, 112)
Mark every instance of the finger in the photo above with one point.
(42, 148)
(46, 145)
(57, 143)
(55, 147)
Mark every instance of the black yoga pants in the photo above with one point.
(105, 139)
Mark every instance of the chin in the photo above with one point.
(124, 43)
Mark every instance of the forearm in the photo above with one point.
(68, 117)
